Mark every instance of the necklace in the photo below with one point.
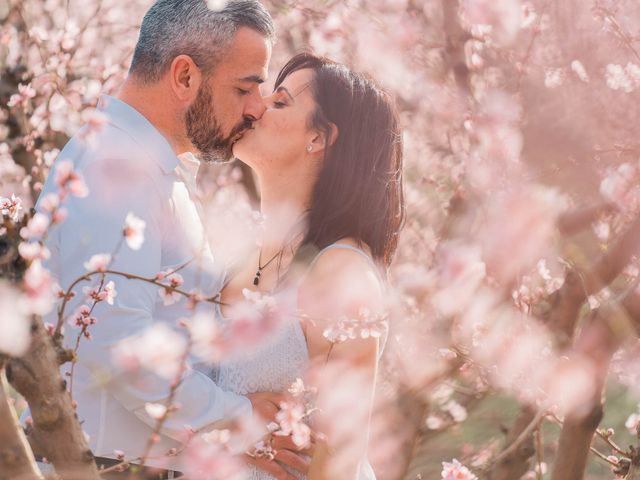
(256, 279)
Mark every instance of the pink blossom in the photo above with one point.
(622, 78)
(50, 156)
(59, 215)
(525, 217)
(460, 272)
(291, 421)
(134, 231)
(529, 15)
(538, 470)
(11, 207)
(365, 326)
(158, 349)
(168, 296)
(98, 262)
(50, 202)
(68, 180)
(25, 93)
(155, 410)
(447, 353)
(207, 337)
(632, 423)
(108, 293)
(93, 120)
(82, 317)
(39, 288)
(580, 71)
(298, 388)
(174, 280)
(50, 328)
(15, 326)
(212, 460)
(31, 251)
(36, 227)
(602, 230)
(456, 471)
(621, 187)
(503, 17)
(457, 411)
(553, 77)
(434, 422)
(251, 323)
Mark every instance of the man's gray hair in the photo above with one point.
(189, 27)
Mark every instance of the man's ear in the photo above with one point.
(324, 140)
(185, 78)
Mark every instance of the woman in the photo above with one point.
(327, 155)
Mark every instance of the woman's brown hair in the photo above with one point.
(359, 191)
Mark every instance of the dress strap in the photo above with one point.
(345, 246)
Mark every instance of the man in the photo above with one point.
(193, 86)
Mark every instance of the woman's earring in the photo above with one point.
(309, 148)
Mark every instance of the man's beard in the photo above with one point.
(204, 131)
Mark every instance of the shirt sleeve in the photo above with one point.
(94, 226)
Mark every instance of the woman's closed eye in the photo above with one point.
(279, 104)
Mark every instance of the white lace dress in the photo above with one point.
(274, 367)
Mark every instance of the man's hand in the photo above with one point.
(267, 405)
(275, 467)
(287, 453)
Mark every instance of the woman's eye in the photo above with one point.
(279, 104)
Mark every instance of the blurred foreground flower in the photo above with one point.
(158, 349)
(15, 325)
(134, 231)
(11, 207)
(208, 457)
(456, 471)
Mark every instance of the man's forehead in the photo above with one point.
(249, 56)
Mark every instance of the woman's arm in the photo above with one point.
(341, 283)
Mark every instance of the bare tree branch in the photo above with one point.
(562, 320)
(578, 428)
(577, 221)
(456, 37)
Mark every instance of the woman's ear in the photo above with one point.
(185, 78)
(324, 140)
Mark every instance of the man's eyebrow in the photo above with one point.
(252, 78)
(284, 89)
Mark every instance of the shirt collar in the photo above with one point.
(127, 118)
(188, 169)
(190, 164)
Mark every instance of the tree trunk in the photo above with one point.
(16, 459)
(56, 432)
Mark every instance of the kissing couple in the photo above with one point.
(326, 143)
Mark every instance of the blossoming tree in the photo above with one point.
(516, 277)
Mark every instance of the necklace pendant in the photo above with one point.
(256, 281)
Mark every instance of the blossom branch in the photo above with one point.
(129, 276)
(617, 28)
(168, 406)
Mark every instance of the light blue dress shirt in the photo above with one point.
(130, 167)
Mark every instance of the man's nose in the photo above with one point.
(255, 108)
